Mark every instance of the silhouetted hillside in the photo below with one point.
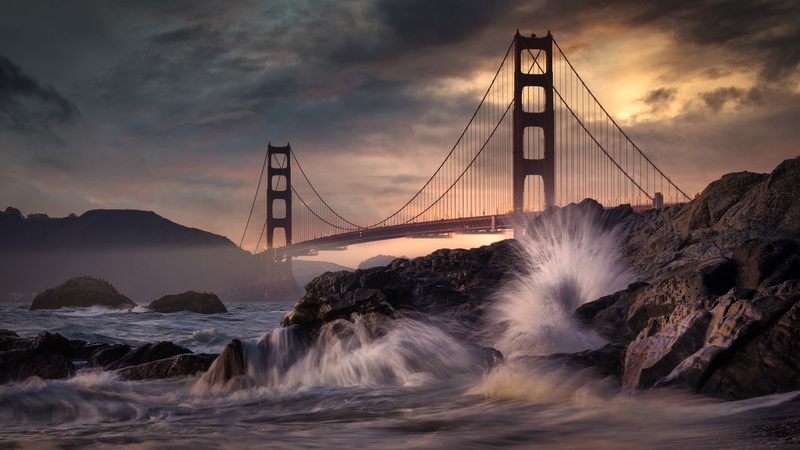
(142, 254)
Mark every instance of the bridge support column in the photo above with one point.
(279, 189)
(279, 217)
(544, 119)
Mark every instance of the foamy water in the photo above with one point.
(376, 383)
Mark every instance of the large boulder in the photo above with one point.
(82, 292)
(455, 282)
(199, 302)
(45, 356)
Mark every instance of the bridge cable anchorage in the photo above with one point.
(255, 197)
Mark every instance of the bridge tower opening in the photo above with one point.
(543, 118)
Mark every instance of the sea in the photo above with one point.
(420, 382)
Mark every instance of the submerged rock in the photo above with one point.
(199, 302)
(82, 292)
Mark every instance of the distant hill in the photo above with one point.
(377, 261)
(305, 270)
(143, 255)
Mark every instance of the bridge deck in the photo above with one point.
(481, 224)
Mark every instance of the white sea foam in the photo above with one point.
(571, 259)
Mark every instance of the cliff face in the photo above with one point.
(716, 308)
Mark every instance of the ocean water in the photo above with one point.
(415, 386)
(411, 382)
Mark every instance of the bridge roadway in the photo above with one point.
(435, 228)
(429, 229)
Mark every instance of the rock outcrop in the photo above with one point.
(52, 356)
(451, 282)
(720, 312)
(82, 292)
(199, 302)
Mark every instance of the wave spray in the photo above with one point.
(572, 257)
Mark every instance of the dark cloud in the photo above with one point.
(717, 98)
(660, 99)
(25, 105)
(762, 32)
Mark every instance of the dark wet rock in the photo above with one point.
(46, 356)
(51, 356)
(454, 282)
(147, 353)
(230, 365)
(104, 354)
(199, 302)
(719, 315)
(692, 283)
(720, 196)
(82, 292)
(767, 262)
(608, 316)
(606, 361)
(648, 359)
(175, 366)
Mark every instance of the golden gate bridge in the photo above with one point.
(538, 138)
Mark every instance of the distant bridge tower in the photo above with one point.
(544, 119)
(280, 279)
(279, 189)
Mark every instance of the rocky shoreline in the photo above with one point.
(714, 309)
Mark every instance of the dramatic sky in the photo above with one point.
(169, 106)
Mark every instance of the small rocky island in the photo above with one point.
(198, 302)
(714, 307)
(82, 292)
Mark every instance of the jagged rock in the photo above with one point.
(651, 358)
(51, 356)
(176, 366)
(450, 281)
(199, 302)
(82, 292)
(608, 316)
(147, 353)
(692, 283)
(46, 356)
(606, 361)
(230, 365)
(767, 262)
(718, 198)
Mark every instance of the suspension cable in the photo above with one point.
(255, 197)
(613, 121)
